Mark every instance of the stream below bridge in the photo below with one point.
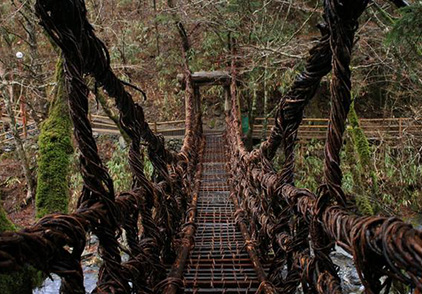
(350, 279)
(216, 225)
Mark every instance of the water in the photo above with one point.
(348, 274)
(350, 281)
(52, 286)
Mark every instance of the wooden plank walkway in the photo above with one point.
(219, 262)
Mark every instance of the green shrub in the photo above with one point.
(119, 169)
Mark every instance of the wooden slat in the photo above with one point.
(374, 128)
(203, 78)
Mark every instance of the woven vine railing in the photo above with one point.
(55, 243)
(302, 227)
(299, 226)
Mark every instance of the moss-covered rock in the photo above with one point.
(23, 281)
(5, 223)
(54, 154)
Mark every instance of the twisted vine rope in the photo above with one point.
(55, 243)
(280, 216)
(283, 217)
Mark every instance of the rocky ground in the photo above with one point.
(52, 286)
(90, 264)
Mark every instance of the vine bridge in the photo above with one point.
(214, 218)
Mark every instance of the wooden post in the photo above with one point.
(2, 124)
(401, 131)
(22, 101)
(227, 100)
(155, 127)
(400, 127)
(210, 78)
(23, 115)
(197, 99)
(200, 79)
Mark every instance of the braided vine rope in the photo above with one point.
(277, 211)
(55, 243)
(280, 215)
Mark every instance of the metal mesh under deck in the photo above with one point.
(219, 262)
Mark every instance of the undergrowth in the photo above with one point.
(397, 170)
(117, 166)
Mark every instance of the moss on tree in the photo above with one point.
(359, 145)
(53, 187)
(22, 281)
(5, 223)
(55, 149)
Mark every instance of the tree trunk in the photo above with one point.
(251, 114)
(35, 67)
(7, 95)
(112, 116)
(157, 32)
(265, 126)
(55, 145)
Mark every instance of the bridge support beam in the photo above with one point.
(206, 78)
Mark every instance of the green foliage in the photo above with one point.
(310, 165)
(400, 174)
(364, 205)
(360, 169)
(119, 169)
(148, 167)
(22, 281)
(354, 176)
(55, 148)
(396, 173)
(287, 78)
(5, 223)
(407, 31)
(359, 138)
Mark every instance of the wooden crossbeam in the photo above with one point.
(207, 78)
